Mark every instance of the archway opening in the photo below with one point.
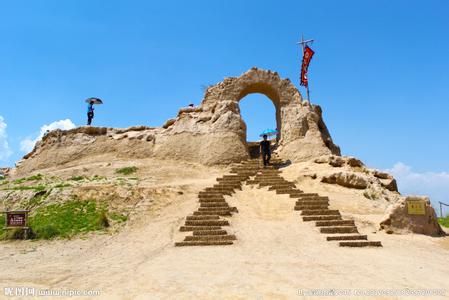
(259, 113)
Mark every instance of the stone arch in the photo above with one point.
(214, 132)
(281, 92)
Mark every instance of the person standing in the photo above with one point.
(90, 112)
(265, 150)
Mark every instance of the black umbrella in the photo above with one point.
(94, 100)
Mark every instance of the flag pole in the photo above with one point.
(304, 43)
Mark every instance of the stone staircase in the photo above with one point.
(314, 207)
(206, 223)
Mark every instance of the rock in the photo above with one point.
(381, 175)
(211, 133)
(390, 184)
(4, 171)
(354, 162)
(397, 219)
(322, 160)
(168, 123)
(336, 161)
(347, 179)
(133, 128)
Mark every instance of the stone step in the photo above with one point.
(211, 195)
(231, 178)
(207, 223)
(217, 212)
(248, 174)
(311, 206)
(220, 191)
(361, 244)
(280, 187)
(199, 228)
(319, 212)
(307, 196)
(223, 191)
(228, 237)
(269, 179)
(339, 229)
(269, 172)
(212, 198)
(311, 202)
(207, 217)
(210, 232)
(321, 218)
(228, 185)
(206, 200)
(290, 191)
(315, 198)
(346, 237)
(335, 223)
(203, 243)
(214, 204)
(231, 181)
(276, 183)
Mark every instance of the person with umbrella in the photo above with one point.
(265, 147)
(90, 108)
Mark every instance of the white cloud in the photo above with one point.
(435, 185)
(5, 151)
(27, 145)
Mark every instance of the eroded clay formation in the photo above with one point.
(211, 133)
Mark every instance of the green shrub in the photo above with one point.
(119, 218)
(64, 220)
(97, 177)
(62, 185)
(36, 177)
(444, 221)
(77, 178)
(68, 219)
(126, 170)
(36, 188)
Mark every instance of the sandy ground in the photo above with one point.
(275, 257)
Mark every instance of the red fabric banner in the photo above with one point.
(307, 56)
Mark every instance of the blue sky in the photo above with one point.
(380, 71)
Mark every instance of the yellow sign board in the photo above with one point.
(416, 207)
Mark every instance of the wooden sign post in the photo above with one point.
(17, 219)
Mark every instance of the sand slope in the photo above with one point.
(275, 256)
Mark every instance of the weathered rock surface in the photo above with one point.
(347, 179)
(212, 133)
(339, 161)
(398, 220)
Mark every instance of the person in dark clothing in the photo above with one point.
(265, 150)
(90, 112)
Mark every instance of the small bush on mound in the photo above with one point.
(62, 185)
(127, 170)
(77, 178)
(68, 219)
(36, 188)
(37, 177)
(444, 221)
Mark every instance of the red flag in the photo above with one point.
(307, 56)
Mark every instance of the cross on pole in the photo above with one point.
(304, 43)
